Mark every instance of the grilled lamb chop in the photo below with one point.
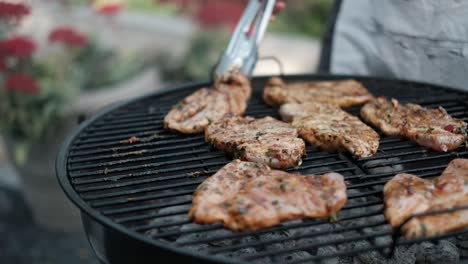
(342, 93)
(432, 128)
(195, 112)
(407, 194)
(251, 196)
(265, 140)
(330, 128)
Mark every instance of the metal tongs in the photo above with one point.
(242, 51)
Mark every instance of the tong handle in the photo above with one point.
(242, 51)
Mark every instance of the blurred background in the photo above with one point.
(63, 60)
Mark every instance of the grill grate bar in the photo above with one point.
(391, 140)
(108, 121)
(133, 160)
(381, 182)
(132, 151)
(309, 246)
(283, 239)
(101, 195)
(132, 209)
(107, 171)
(433, 238)
(204, 228)
(151, 226)
(175, 223)
(158, 129)
(438, 156)
(438, 168)
(134, 218)
(394, 155)
(364, 194)
(144, 136)
(340, 254)
(101, 203)
(126, 125)
(94, 142)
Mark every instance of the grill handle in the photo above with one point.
(242, 51)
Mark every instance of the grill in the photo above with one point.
(134, 196)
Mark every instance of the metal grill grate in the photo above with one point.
(146, 186)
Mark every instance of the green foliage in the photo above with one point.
(306, 18)
(203, 53)
(101, 67)
(152, 6)
(61, 74)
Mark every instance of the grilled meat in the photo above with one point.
(195, 112)
(407, 194)
(265, 140)
(432, 128)
(386, 115)
(251, 196)
(330, 128)
(342, 93)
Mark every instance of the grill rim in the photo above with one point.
(61, 164)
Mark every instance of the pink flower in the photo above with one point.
(22, 82)
(68, 36)
(13, 10)
(20, 47)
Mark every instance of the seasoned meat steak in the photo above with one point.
(386, 115)
(432, 128)
(407, 194)
(342, 93)
(194, 113)
(330, 128)
(265, 140)
(251, 196)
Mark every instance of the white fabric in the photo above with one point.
(423, 40)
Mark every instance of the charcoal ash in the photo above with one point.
(374, 168)
(289, 244)
(189, 237)
(208, 235)
(439, 252)
(312, 228)
(360, 210)
(177, 217)
(246, 251)
(462, 243)
(402, 255)
(329, 249)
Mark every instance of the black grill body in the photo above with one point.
(134, 197)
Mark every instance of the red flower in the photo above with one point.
(68, 36)
(20, 47)
(3, 65)
(13, 10)
(220, 13)
(109, 9)
(22, 82)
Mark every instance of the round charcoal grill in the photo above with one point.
(134, 195)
